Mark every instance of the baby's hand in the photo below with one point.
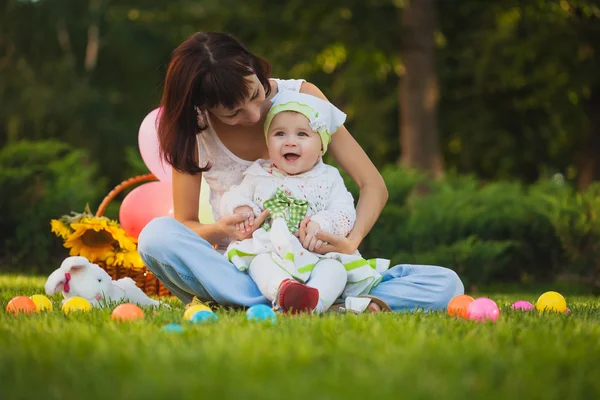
(312, 227)
(311, 243)
(244, 226)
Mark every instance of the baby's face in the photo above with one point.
(293, 146)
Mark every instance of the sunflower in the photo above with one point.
(126, 242)
(94, 237)
(61, 229)
(127, 259)
(97, 239)
(133, 258)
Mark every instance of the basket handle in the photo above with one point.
(120, 187)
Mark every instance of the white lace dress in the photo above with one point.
(330, 204)
(226, 168)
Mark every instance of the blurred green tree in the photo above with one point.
(517, 79)
(519, 87)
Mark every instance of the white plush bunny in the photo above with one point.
(78, 277)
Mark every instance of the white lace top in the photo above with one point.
(226, 168)
(330, 204)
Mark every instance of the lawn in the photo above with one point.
(416, 356)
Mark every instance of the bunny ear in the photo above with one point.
(74, 264)
(56, 282)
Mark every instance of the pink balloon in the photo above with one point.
(483, 309)
(144, 203)
(150, 149)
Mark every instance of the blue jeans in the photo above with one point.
(189, 266)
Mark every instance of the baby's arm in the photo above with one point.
(238, 196)
(339, 215)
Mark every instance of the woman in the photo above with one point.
(216, 96)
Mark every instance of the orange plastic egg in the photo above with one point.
(127, 312)
(21, 304)
(459, 305)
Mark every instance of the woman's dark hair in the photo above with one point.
(205, 71)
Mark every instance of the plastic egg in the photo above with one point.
(522, 305)
(42, 303)
(187, 315)
(459, 305)
(75, 304)
(483, 309)
(203, 316)
(551, 302)
(173, 328)
(21, 304)
(127, 312)
(260, 313)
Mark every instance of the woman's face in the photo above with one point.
(248, 113)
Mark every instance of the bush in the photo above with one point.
(576, 219)
(40, 181)
(499, 231)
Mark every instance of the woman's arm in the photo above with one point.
(353, 159)
(186, 201)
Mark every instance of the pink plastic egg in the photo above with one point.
(483, 309)
(522, 305)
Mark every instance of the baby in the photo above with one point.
(293, 184)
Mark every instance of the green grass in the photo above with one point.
(417, 356)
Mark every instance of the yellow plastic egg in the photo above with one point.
(193, 310)
(42, 303)
(76, 304)
(551, 301)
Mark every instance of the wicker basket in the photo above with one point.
(142, 276)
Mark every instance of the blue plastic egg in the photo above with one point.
(173, 328)
(202, 317)
(260, 313)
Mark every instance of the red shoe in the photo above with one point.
(295, 297)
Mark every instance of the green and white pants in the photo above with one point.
(328, 277)
(280, 248)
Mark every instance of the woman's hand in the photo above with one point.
(330, 243)
(230, 223)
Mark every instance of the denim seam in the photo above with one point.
(183, 276)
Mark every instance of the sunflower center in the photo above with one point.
(91, 238)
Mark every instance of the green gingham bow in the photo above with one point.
(285, 206)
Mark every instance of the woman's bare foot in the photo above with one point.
(359, 305)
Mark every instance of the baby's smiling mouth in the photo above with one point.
(291, 156)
